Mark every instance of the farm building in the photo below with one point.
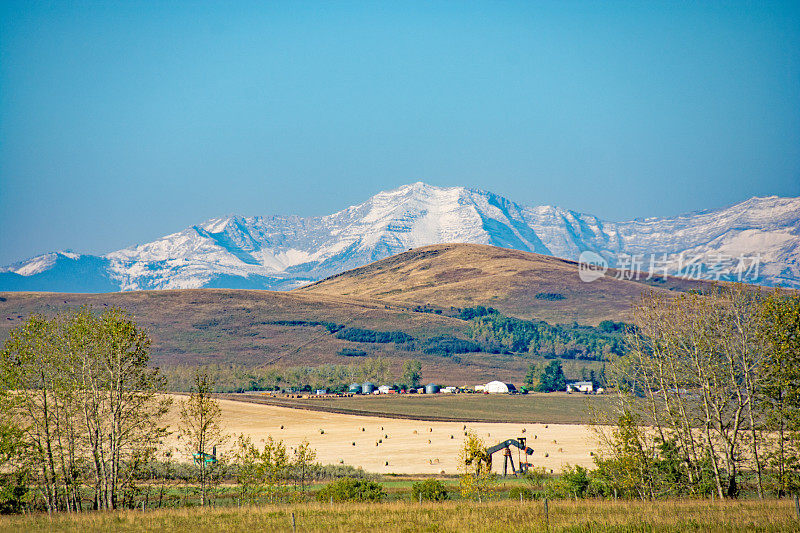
(580, 386)
(498, 387)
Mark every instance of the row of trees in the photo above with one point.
(234, 378)
(496, 331)
(83, 424)
(717, 377)
(79, 407)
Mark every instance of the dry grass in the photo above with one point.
(501, 516)
(202, 326)
(465, 275)
(205, 326)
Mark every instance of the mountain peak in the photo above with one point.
(283, 252)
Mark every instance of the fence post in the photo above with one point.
(797, 506)
(294, 526)
(546, 515)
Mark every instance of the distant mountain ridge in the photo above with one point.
(284, 252)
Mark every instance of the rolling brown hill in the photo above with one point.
(286, 329)
(520, 284)
(254, 329)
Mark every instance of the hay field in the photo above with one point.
(409, 446)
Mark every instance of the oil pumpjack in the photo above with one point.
(507, 456)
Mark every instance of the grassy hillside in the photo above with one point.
(262, 328)
(398, 308)
(519, 284)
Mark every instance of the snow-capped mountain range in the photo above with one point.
(758, 238)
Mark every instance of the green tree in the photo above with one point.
(86, 403)
(475, 465)
(431, 490)
(412, 373)
(780, 388)
(552, 379)
(303, 462)
(532, 376)
(264, 471)
(201, 425)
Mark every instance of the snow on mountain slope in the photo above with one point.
(286, 252)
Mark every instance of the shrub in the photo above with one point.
(573, 483)
(521, 492)
(474, 312)
(447, 344)
(351, 490)
(431, 490)
(350, 352)
(550, 296)
(368, 335)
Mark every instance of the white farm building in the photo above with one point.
(498, 387)
(580, 386)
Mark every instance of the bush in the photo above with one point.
(521, 492)
(573, 483)
(330, 326)
(447, 344)
(351, 490)
(550, 296)
(474, 312)
(350, 352)
(368, 335)
(431, 490)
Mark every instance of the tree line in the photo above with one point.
(717, 378)
(83, 423)
(330, 377)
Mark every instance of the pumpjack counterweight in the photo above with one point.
(508, 458)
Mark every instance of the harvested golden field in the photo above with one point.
(495, 516)
(408, 446)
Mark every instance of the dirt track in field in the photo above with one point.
(409, 446)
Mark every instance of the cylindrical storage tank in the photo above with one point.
(431, 388)
(355, 388)
(367, 388)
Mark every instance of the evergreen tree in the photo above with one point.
(552, 379)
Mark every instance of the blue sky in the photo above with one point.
(121, 122)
